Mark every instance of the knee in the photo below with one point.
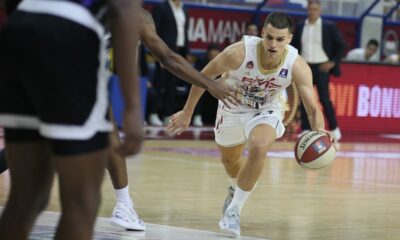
(229, 160)
(33, 203)
(258, 149)
(84, 203)
(42, 201)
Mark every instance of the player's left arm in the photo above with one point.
(302, 76)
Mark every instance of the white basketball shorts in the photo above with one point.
(232, 129)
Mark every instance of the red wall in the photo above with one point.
(367, 98)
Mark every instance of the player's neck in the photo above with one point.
(270, 62)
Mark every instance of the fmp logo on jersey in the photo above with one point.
(250, 65)
(319, 147)
(283, 73)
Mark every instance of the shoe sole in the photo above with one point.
(228, 230)
(127, 226)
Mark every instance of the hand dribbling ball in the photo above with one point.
(314, 150)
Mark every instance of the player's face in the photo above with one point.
(275, 40)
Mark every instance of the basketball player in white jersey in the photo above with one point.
(124, 213)
(263, 67)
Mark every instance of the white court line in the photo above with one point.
(45, 227)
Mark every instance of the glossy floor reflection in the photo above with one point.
(181, 183)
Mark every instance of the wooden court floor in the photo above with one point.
(179, 187)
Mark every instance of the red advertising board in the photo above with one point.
(225, 26)
(367, 98)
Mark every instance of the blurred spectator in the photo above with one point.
(252, 29)
(322, 46)
(206, 109)
(153, 95)
(394, 58)
(369, 53)
(171, 20)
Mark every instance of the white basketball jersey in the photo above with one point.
(260, 88)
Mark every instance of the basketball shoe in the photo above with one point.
(125, 216)
(336, 134)
(230, 222)
(155, 120)
(228, 198)
(197, 121)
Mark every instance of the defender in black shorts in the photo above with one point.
(53, 105)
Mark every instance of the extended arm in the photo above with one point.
(176, 63)
(231, 58)
(168, 58)
(302, 76)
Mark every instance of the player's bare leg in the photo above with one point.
(31, 173)
(231, 157)
(80, 178)
(116, 163)
(123, 214)
(260, 141)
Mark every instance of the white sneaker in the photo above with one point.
(197, 122)
(230, 222)
(337, 135)
(127, 217)
(166, 120)
(155, 120)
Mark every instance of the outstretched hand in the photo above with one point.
(133, 130)
(226, 90)
(179, 122)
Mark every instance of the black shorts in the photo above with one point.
(53, 76)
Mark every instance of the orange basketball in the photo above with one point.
(314, 150)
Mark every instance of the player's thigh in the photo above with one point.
(228, 129)
(272, 123)
(27, 155)
(80, 176)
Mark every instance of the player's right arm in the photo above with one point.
(124, 28)
(175, 63)
(229, 59)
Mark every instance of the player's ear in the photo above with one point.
(263, 32)
(290, 38)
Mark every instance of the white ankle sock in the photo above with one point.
(233, 182)
(122, 196)
(239, 198)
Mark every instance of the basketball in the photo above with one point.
(314, 150)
